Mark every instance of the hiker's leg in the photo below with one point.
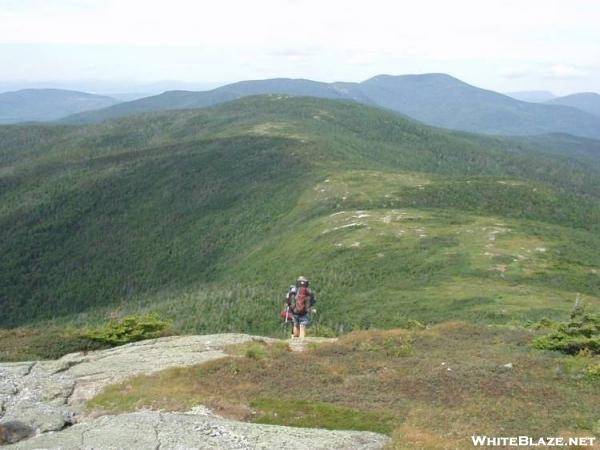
(303, 322)
(296, 329)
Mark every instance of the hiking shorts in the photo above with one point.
(301, 320)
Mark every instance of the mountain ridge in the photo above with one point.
(585, 101)
(208, 199)
(434, 99)
(39, 105)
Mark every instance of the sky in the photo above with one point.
(504, 45)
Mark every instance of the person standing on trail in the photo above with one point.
(300, 301)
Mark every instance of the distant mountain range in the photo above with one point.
(586, 101)
(39, 105)
(532, 96)
(435, 99)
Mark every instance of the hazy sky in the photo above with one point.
(505, 45)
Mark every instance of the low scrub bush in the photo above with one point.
(580, 333)
(415, 325)
(256, 351)
(322, 331)
(593, 371)
(23, 344)
(397, 347)
(130, 329)
(545, 323)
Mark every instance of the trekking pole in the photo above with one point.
(285, 321)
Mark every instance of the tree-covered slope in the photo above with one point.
(207, 215)
(38, 105)
(565, 145)
(435, 99)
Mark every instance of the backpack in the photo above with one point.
(302, 299)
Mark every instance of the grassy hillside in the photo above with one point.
(429, 389)
(435, 99)
(208, 215)
(38, 105)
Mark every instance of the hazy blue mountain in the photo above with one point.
(435, 99)
(111, 88)
(129, 96)
(38, 105)
(192, 99)
(586, 101)
(532, 96)
(444, 101)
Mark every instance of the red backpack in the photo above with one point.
(302, 298)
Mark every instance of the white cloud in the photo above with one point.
(563, 71)
(321, 39)
(517, 72)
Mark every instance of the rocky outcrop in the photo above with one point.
(155, 430)
(11, 432)
(48, 397)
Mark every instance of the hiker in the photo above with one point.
(300, 301)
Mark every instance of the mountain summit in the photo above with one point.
(585, 101)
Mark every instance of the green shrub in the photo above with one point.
(256, 351)
(396, 346)
(69, 343)
(581, 333)
(129, 329)
(545, 323)
(415, 325)
(585, 353)
(322, 331)
(26, 344)
(593, 371)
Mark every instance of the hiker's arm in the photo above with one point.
(290, 295)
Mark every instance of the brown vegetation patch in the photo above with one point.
(435, 387)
